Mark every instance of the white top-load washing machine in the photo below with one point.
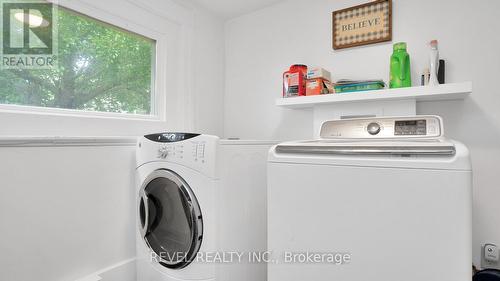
(380, 199)
(199, 199)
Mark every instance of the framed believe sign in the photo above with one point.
(363, 24)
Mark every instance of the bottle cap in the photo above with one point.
(399, 46)
(434, 43)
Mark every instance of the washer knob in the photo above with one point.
(373, 128)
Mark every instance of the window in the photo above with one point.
(100, 68)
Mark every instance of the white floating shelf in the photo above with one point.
(453, 91)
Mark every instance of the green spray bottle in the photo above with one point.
(400, 67)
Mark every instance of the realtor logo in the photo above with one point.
(28, 35)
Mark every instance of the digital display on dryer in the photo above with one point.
(170, 137)
(410, 128)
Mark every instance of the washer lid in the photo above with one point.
(370, 147)
(440, 155)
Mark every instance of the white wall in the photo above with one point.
(208, 79)
(65, 212)
(262, 45)
(202, 103)
(68, 211)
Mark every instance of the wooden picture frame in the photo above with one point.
(362, 25)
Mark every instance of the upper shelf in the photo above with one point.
(453, 91)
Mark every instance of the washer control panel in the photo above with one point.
(410, 127)
(384, 127)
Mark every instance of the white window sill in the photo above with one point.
(71, 123)
(25, 109)
(27, 141)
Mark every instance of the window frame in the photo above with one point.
(167, 44)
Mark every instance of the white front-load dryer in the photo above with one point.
(175, 214)
(199, 199)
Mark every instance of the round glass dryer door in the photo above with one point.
(170, 219)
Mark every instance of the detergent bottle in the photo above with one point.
(400, 75)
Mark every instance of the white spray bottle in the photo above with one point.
(434, 63)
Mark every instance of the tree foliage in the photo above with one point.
(100, 68)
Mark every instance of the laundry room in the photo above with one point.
(252, 140)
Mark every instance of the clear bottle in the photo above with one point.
(434, 63)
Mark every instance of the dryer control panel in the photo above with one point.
(384, 127)
(192, 150)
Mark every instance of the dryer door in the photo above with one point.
(170, 219)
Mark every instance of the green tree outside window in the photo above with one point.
(100, 68)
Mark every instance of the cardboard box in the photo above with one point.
(318, 86)
(318, 72)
